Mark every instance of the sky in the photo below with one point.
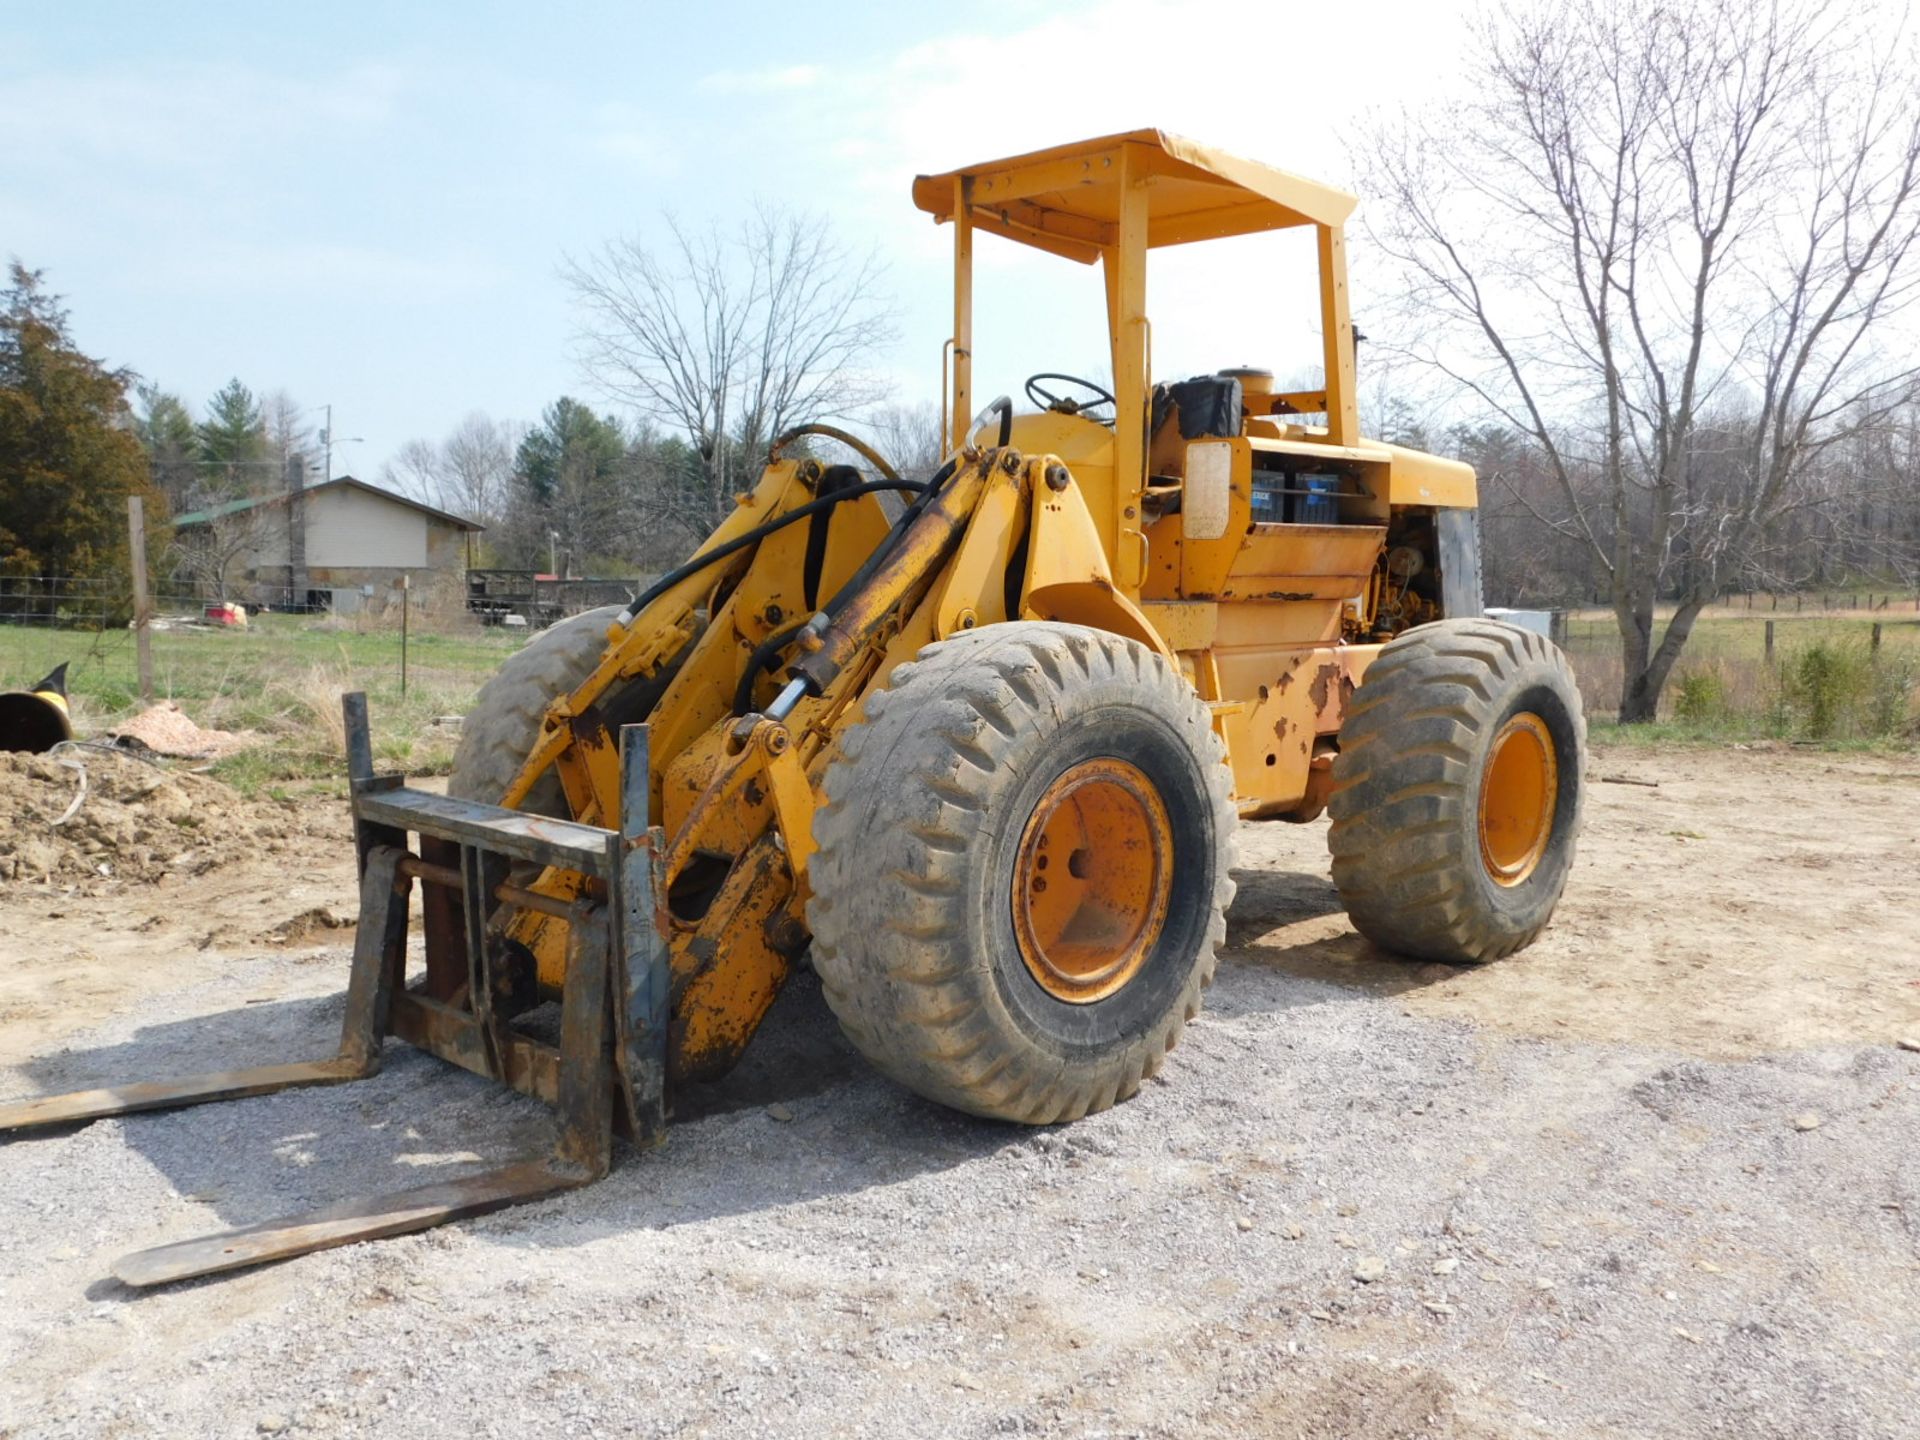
(368, 205)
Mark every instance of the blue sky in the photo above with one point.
(367, 204)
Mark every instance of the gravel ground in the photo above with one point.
(1334, 1215)
(1571, 1241)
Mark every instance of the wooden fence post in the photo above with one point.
(142, 611)
(1769, 642)
(1875, 645)
(406, 607)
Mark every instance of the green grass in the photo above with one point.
(1735, 634)
(1824, 684)
(282, 677)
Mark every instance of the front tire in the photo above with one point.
(1023, 870)
(1457, 791)
(499, 732)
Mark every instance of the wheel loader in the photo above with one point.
(974, 746)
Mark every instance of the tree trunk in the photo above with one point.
(1646, 668)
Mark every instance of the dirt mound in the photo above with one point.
(167, 730)
(136, 821)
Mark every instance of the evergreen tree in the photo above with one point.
(570, 472)
(568, 435)
(233, 438)
(166, 433)
(68, 455)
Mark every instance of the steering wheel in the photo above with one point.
(1047, 400)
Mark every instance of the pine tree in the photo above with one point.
(570, 471)
(166, 433)
(233, 442)
(68, 454)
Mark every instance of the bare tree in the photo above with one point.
(416, 469)
(910, 438)
(469, 473)
(478, 459)
(208, 551)
(733, 339)
(288, 433)
(1659, 241)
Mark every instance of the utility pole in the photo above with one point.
(326, 443)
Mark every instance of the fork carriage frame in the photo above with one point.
(606, 1074)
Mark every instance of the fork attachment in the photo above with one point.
(607, 1071)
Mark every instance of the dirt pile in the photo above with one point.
(135, 821)
(168, 730)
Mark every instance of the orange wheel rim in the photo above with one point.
(1092, 879)
(1518, 796)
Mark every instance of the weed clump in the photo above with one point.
(1836, 690)
(1700, 696)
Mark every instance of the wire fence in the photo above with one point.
(71, 602)
(87, 625)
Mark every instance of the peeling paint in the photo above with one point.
(1324, 679)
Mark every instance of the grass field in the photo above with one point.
(282, 676)
(1724, 686)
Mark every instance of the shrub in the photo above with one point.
(1834, 690)
(1699, 696)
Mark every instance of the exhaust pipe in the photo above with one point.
(36, 720)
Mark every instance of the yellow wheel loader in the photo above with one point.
(977, 745)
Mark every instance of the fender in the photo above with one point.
(1068, 577)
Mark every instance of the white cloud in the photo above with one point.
(762, 82)
(193, 117)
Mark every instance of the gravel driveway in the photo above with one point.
(1344, 1210)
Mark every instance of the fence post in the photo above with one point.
(1769, 642)
(1875, 645)
(406, 606)
(142, 612)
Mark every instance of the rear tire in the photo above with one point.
(1457, 791)
(946, 963)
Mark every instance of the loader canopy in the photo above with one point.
(1112, 199)
(1067, 199)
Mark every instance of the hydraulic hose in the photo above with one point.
(928, 494)
(762, 658)
(760, 532)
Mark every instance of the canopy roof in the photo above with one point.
(1067, 199)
